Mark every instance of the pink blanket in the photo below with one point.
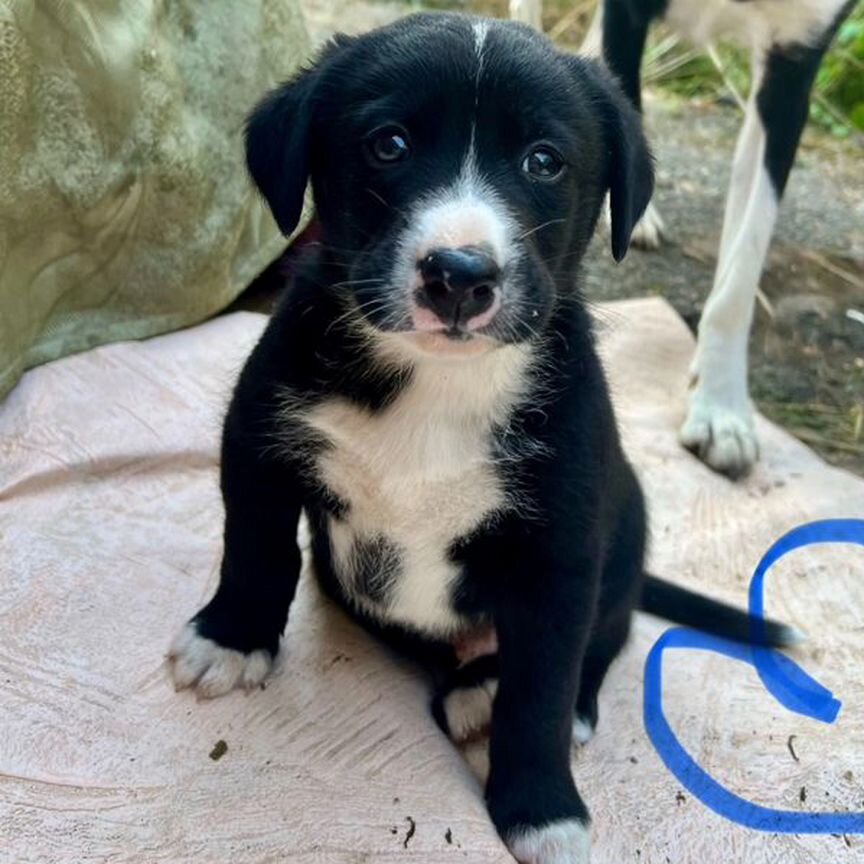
(110, 538)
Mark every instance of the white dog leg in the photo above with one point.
(528, 12)
(719, 424)
(592, 44)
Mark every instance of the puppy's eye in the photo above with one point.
(544, 163)
(387, 145)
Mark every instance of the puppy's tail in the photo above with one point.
(694, 610)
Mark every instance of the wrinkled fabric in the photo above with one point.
(110, 537)
(125, 209)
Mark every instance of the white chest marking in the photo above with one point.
(420, 473)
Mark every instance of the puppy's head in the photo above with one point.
(458, 167)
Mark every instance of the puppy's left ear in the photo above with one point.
(278, 139)
(630, 178)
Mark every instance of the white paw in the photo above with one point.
(469, 709)
(650, 231)
(721, 436)
(210, 668)
(567, 841)
(583, 731)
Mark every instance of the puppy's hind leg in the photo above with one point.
(604, 648)
(462, 707)
(719, 423)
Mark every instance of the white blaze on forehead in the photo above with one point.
(481, 30)
(467, 213)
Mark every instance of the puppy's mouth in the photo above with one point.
(461, 322)
(461, 331)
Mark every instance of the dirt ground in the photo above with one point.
(807, 347)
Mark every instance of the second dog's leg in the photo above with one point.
(592, 44)
(528, 12)
(719, 423)
(623, 36)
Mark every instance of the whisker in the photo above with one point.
(539, 227)
(355, 309)
(556, 258)
(351, 282)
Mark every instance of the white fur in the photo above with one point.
(650, 231)
(567, 841)
(481, 31)
(583, 731)
(420, 473)
(759, 24)
(469, 213)
(476, 754)
(469, 709)
(767, 22)
(214, 670)
(592, 44)
(719, 423)
(528, 12)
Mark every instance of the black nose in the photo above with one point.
(458, 283)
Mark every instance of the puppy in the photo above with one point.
(429, 395)
(787, 40)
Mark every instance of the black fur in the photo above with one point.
(784, 99)
(560, 584)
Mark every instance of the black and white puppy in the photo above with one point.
(787, 40)
(429, 394)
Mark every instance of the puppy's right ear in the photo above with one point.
(278, 143)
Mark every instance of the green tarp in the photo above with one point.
(125, 209)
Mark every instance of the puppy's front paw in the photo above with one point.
(565, 841)
(213, 670)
